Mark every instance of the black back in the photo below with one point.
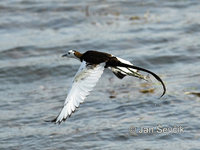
(95, 57)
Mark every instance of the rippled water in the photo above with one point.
(162, 36)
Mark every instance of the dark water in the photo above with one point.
(163, 36)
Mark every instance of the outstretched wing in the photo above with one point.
(84, 81)
(121, 72)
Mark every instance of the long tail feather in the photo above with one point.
(120, 64)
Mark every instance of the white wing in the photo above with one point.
(84, 81)
(126, 69)
(121, 72)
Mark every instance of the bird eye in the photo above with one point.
(68, 52)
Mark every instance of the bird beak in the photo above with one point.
(65, 55)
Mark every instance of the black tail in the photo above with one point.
(120, 64)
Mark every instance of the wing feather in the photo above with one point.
(121, 72)
(126, 69)
(83, 82)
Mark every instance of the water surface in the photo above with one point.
(162, 36)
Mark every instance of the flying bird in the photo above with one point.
(92, 66)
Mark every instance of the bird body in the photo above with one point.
(91, 69)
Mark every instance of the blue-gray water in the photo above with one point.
(162, 36)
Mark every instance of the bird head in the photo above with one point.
(73, 54)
